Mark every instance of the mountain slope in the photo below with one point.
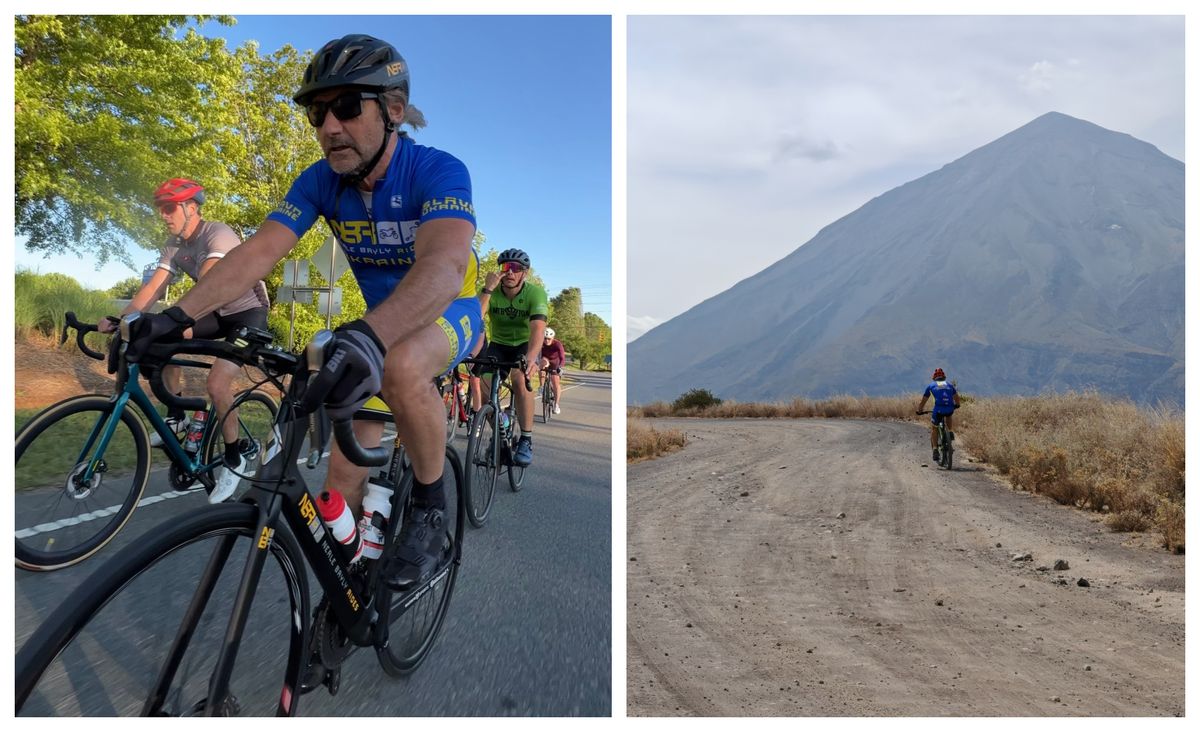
(1051, 258)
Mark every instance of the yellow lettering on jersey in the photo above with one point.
(353, 232)
(286, 209)
(449, 203)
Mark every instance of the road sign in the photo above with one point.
(323, 302)
(330, 257)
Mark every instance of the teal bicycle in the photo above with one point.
(83, 464)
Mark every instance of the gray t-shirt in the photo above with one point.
(210, 240)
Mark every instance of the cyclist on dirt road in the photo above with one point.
(194, 246)
(945, 401)
(403, 215)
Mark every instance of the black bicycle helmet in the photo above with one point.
(357, 61)
(513, 255)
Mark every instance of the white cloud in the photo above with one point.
(637, 325)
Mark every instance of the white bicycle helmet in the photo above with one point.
(549, 332)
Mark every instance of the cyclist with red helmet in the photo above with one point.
(945, 401)
(403, 216)
(193, 246)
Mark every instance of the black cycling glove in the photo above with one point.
(151, 328)
(353, 372)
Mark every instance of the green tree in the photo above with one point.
(106, 107)
(126, 288)
(568, 319)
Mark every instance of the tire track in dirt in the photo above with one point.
(748, 595)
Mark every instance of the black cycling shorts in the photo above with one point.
(214, 326)
(502, 353)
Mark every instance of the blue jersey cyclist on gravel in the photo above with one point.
(402, 213)
(945, 401)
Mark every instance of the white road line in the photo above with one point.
(106, 512)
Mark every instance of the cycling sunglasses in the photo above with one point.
(511, 267)
(344, 107)
(167, 207)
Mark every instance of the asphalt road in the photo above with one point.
(528, 631)
(824, 568)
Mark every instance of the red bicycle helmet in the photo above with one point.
(178, 190)
(938, 374)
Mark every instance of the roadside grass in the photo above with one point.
(1090, 451)
(1087, 450)
(644, 442)
(41, 302)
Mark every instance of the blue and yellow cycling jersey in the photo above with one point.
(377, 231)
(943, 396)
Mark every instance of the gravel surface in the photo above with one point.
(826, 568)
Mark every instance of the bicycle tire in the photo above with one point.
(259, 433)
(947, 450)
(547, 400)
(68, 622)
(450, 404)
(483, 466)
(516, 473)
(401, 659)
(27, 554)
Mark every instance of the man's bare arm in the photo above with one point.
(239, 270)
(442, 251)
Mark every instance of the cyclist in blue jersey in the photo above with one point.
(945, 401)
(403, 215)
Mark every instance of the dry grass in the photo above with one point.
(849, 407)
(1086, 450)
(644, 442)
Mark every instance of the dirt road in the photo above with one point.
(815, 567)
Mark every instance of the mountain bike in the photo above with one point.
(492, 440)
(277, 519)
(452, 388)
(945, 443)
(82, 464)
(548, 400)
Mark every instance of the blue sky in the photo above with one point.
(524, 101)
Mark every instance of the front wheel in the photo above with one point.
(483, 465)
(414, 618)
(547, 399)
(516, 473)
(79, 475)
(947, 450)
(142, 635)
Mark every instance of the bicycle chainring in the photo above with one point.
(332, 645)
(180, 480)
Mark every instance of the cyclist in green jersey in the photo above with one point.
(517, 312)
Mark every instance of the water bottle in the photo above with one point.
(377, 508)
(340, 520)
(195, 433)
(504, 421)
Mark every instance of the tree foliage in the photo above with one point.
(106, 107)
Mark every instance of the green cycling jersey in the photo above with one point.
(508, 319)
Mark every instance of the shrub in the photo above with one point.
(696, 399)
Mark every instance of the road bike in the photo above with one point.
(548, 400)
(82, 465)
(453, 389)
(492, 440)
(195, 666)
(945, 443)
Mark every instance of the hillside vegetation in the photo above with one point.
(1087, 450)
